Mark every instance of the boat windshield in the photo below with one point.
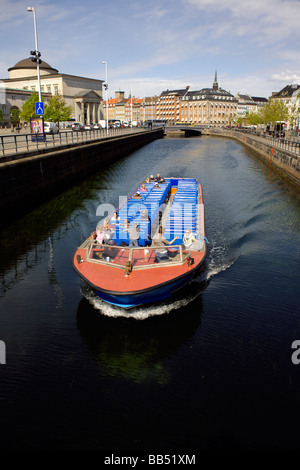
(139, 257)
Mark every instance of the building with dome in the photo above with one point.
(83, 94)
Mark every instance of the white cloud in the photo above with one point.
(275, 19)
(287, 76)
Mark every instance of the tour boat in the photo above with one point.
(127, 263)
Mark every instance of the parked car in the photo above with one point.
(51, 127)
(77, 126)
(88, 127)
(103, 123)
(97, 126)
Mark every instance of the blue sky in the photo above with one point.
(151, 46)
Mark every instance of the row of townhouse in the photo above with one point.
(209, 106)
(130, 109)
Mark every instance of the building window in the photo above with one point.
(55, 89)
(48, 89)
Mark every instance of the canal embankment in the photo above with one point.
(279, 154)
(35, 176)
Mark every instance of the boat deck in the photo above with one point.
(177, 205)
(138, 257)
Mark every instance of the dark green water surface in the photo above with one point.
(210, 369)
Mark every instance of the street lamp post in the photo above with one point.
(131, 104)
(106, 87)
(37, 54)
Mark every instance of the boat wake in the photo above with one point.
(139, 313)
(218, 261)
(215, 264)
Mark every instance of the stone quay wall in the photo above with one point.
(32, 178)
(285, 161)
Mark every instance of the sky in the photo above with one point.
(152, 46)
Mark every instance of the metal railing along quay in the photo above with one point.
(11, 145)
(288, 144)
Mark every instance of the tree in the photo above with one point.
(15, 116)
(274, 111)
(56, 110)
(28, 108)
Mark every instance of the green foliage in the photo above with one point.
(56, 110)
(15, 116)
(274, 111)
(28, 108)
(1, 115)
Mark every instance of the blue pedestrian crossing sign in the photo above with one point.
(39, 108)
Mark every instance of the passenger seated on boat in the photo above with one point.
(156, 186)
(143, 188)
(159, 241)
(137, 195)
(126, 225)
(190, 241)
(99, 236)
(152, 178)
(123, 233)
(115, 219)
(108, 233)
(159, 179)
(145, 215)
(110, 251)
(147, 180)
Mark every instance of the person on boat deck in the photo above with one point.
(123, 233)
(110, 251)
(147, 180)
(152, 178)
(143, 188)
(115, 219)
(159, 179)
(126, 225)
(158, 241)
(137, 195)
(188, 238)
(156, 186)
(134, 235)
(145, 215)
(99, 235)
(108, 232)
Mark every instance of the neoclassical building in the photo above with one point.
(209, 106)
(83, 94)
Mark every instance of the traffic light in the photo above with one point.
(36, 56)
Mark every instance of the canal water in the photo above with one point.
(212, 368)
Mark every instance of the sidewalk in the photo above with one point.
(8, 131)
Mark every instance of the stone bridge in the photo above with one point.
(188, 129)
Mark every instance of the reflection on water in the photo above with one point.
(136, 350)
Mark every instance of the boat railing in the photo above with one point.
(137, 257)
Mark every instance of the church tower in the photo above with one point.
(215, 84)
